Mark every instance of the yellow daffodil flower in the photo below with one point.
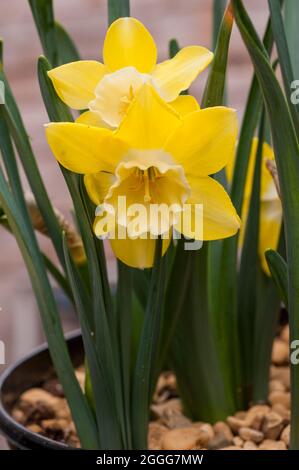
(155, 156)
(130, 56)
(271, 210)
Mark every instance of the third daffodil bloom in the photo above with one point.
(130, 55)
(270, 211)
(154, 157)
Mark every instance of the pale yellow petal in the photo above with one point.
(268, 190)
(97, 185)
(177, 74)
(84, 149)
(138, 253)
(103, 224)
(92, 119)
(185, 104)
(149, 121)
(75, 82)
(270, 226)
(206, 141)
(220, 219)
(129, 43)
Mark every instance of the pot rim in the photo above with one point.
(15, 432)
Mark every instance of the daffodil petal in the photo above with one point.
(268, 189)
(137, 253)
(91, 118)
(104, 224)
(84, 149)
(206, 141)
(149, 121)
(270, 226)
(97, 185)
(177, 74)
(75, 82)
(129, 43)
(220, 219)
(185, 104)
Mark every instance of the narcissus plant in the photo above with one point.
(270, 210)
(130, 55)
(158, 157)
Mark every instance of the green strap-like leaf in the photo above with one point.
(214, 96)
(287, 160)
(58, 277)
(194, 352)
(214, 90)
(248, 275)
(67, 49)
(173, 48)
(284, 57)
(145, 369)
(18, 132)
(279, 270)
(226, 299)
(218, 12)
(291, 19)
(25, 238)
(124, 306)
(108, 426)
(101, 316)
(118, 9)
(57, 44)
(42, 11)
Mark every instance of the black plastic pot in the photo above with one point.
(29, 372)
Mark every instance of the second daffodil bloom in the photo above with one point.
(154, 157)
(130, 55)
(270, 208)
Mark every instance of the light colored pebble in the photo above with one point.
(249, 445)
(205, 429)
(222, 428)
(237, 441)
(235, 423)
(248, 434)
(285, 435)
(231, 448)
(269, 444)
(156, 432)
(285, 334)
(255, 416)
(276, 385)
(219, 441)
(272, 426)
(283, 398)
(282, 411)
(185, 438)
(280, 352)
(282, 374)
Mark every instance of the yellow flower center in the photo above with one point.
(147, 179)
(115, 92)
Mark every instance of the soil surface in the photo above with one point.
(263, 427)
